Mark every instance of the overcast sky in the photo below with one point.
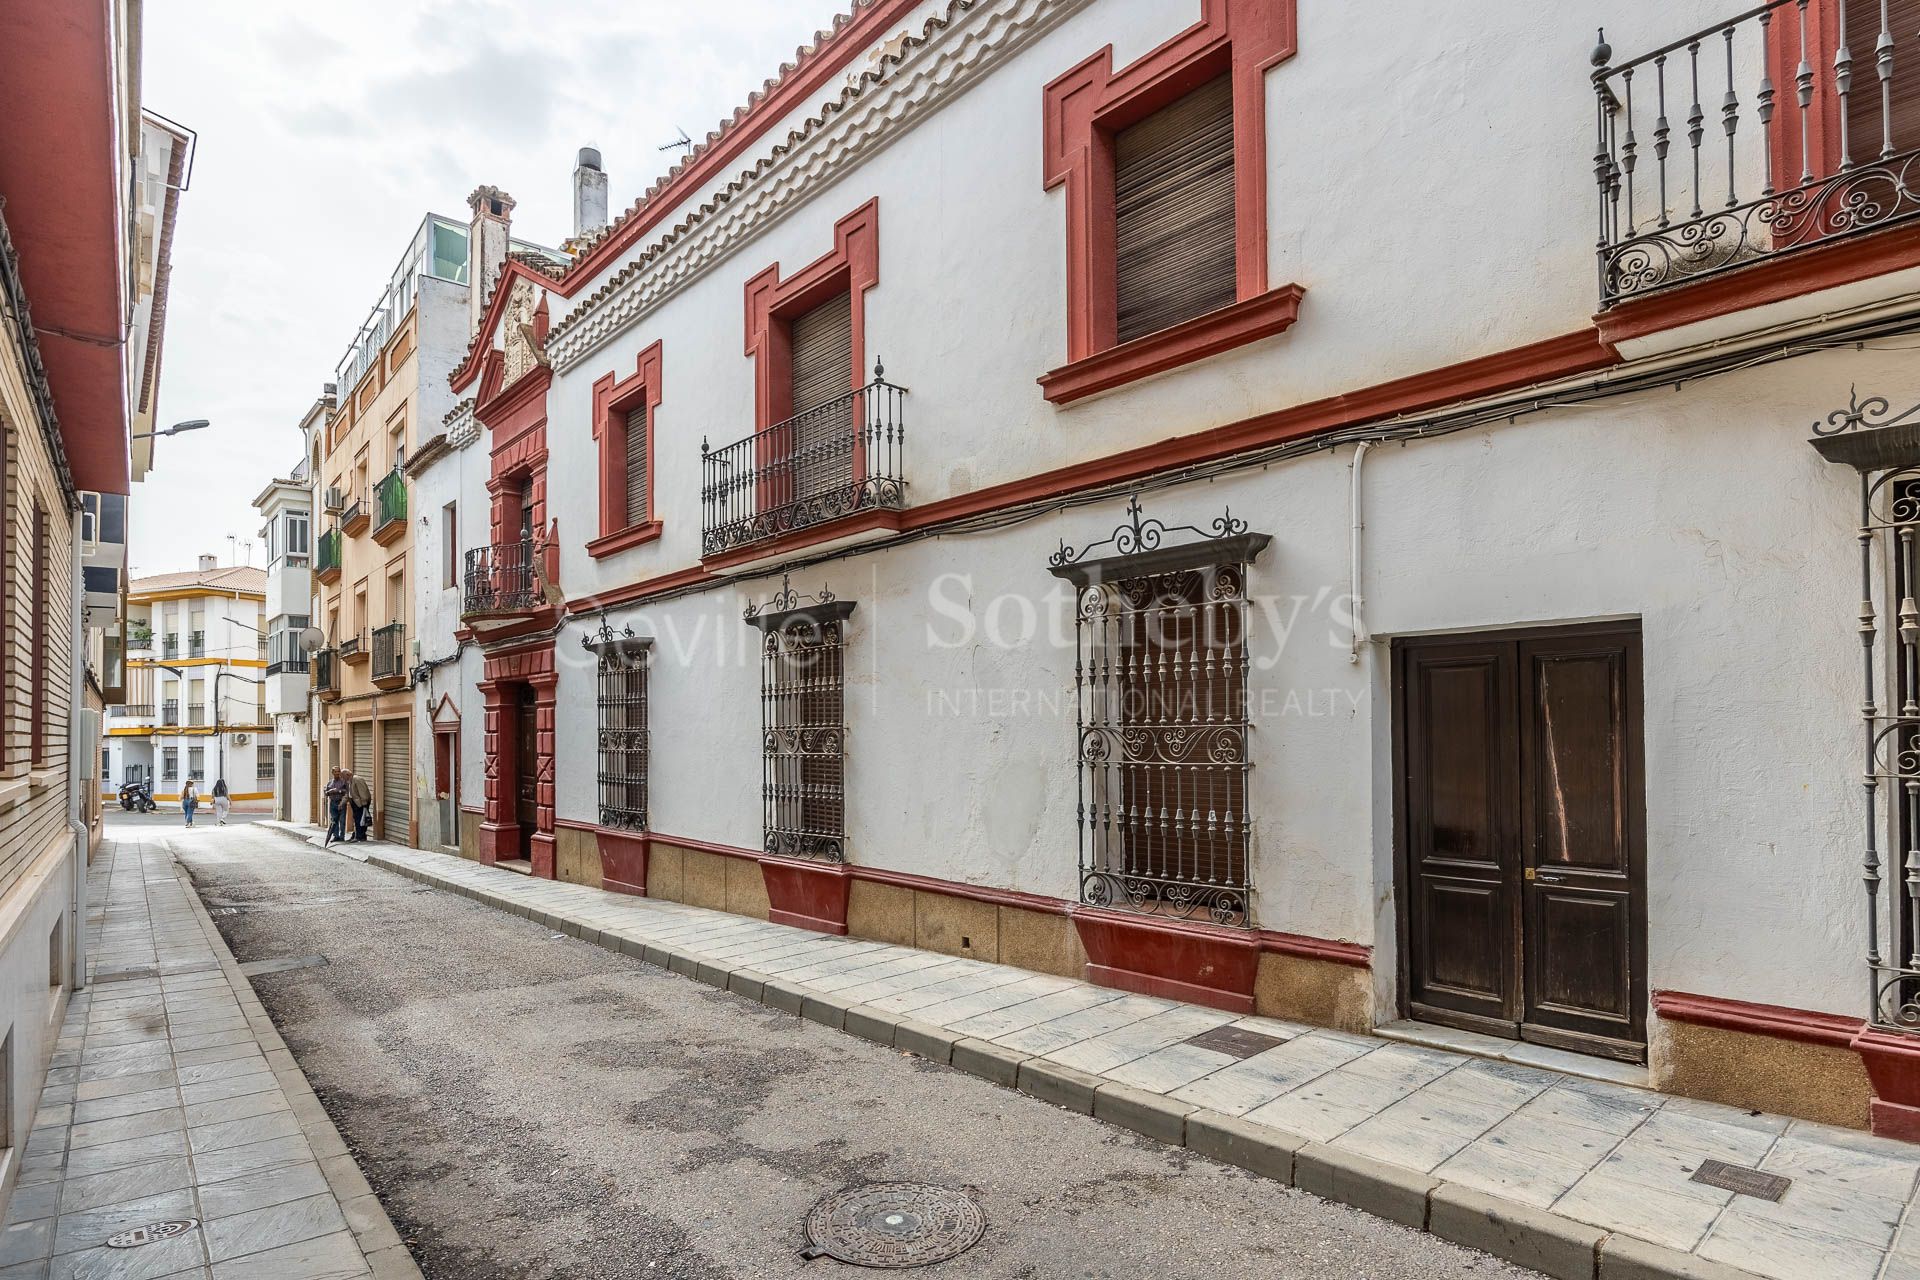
(326, 132)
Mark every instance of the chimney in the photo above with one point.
(209, 562)
(589, 195)
(486, 247)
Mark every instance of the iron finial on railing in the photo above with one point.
(1602, 51)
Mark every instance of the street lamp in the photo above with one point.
(191, 424)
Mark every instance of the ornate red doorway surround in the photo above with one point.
(502, 836)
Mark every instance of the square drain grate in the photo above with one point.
(1742, 1180)
(1235, 1041)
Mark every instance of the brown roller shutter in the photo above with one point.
(637, 466)
(1173, 212)
(821, 444)
(1865, 128)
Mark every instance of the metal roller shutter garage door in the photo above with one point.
(396, 780)
(361, 761)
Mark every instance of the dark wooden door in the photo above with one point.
(1523, 835)
(526, 726)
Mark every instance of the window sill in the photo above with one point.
(633, 536)
(13, 792)
(1233, 326)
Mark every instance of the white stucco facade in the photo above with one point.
(1443, 219)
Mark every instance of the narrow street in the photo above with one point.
(528, 1106)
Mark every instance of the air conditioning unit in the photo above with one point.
(241, 739)
(336, 501)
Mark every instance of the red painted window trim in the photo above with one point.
(613, 399)
(852, 266)
(1085, 106)
(1234, 326)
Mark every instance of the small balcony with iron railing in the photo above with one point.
(170, 646)
(196, 644)
(324, 668)
(827, 466)
(389, 507)
(390, 655)
(170, 713)
(196, 717)
(503, 581)
(326, 556)
(352, 648)
(1777, 131)
(128, 714)
(352, 510)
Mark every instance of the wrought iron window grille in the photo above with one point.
(803, 731)
(623, 661)
(1884, 448)
(1161, 717)
(826, 462)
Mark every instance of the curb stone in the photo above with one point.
(1557, 1246)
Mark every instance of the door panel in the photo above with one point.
(1580, 833)
(527, 801)
(1523, 835)
(1463, 860)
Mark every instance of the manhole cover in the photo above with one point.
(894, 1224)
(1237, 1042)
(151, 1233)
(1742, 1180)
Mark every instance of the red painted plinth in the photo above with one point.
(1176, 960)
(1893, 1065)
(808, 895)
(540, 852)
(623, 862)
(499, 842)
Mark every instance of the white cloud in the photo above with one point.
(322, 145)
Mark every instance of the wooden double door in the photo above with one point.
(1522, 835)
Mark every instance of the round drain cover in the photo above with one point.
(895, 1224)
(151, 1233)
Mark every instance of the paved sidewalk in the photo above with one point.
(171, 1097)
(1573, 1177)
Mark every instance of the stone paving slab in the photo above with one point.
(1579, 1178)
(171, 1097)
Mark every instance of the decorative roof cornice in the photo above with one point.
(959, 46)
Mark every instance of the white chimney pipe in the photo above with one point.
(589, 194)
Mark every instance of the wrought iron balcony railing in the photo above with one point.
(834, 459)
(390, 651)
(197, 716)
(133, 711)
(325, 668)
(500, 578)
(169, 713)
(390, 499)
(352, 648)
(170, 647)
(327, 554)
(1755, 137)
(196, 644)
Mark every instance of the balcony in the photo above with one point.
(828, 466)
(327, 557)
(132, 711)
(170, 714)
(353, 648)
(505, 582)
(390, 656)
(354, 515)
(325, 669)
(196, 644)
(389, 507)
(170, 647)
(1764, 136)
(196, 717)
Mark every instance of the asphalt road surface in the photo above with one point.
(529, 1106)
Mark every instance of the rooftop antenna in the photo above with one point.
(682, 141)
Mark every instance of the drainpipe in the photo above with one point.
(76, 809)
(1355, 538)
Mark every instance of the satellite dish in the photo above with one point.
(311, 639)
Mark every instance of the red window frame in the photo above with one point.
(1083, 109)
(613, 399)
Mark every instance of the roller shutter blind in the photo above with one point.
(1173, 212)
(361, 759)
(637, 466)
(396, 780)
(821, 440)
(1865, 132)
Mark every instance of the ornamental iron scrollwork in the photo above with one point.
(623, 739)
(787, 600)
(1135, 535)
(1160, 680)
(803, 733)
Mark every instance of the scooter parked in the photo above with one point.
(137, 797)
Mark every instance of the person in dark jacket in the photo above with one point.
(336, 798)
(360, 796)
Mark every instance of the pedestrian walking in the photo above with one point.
(222, 805)
(336, 794)
(360, 796)
(189, 800)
